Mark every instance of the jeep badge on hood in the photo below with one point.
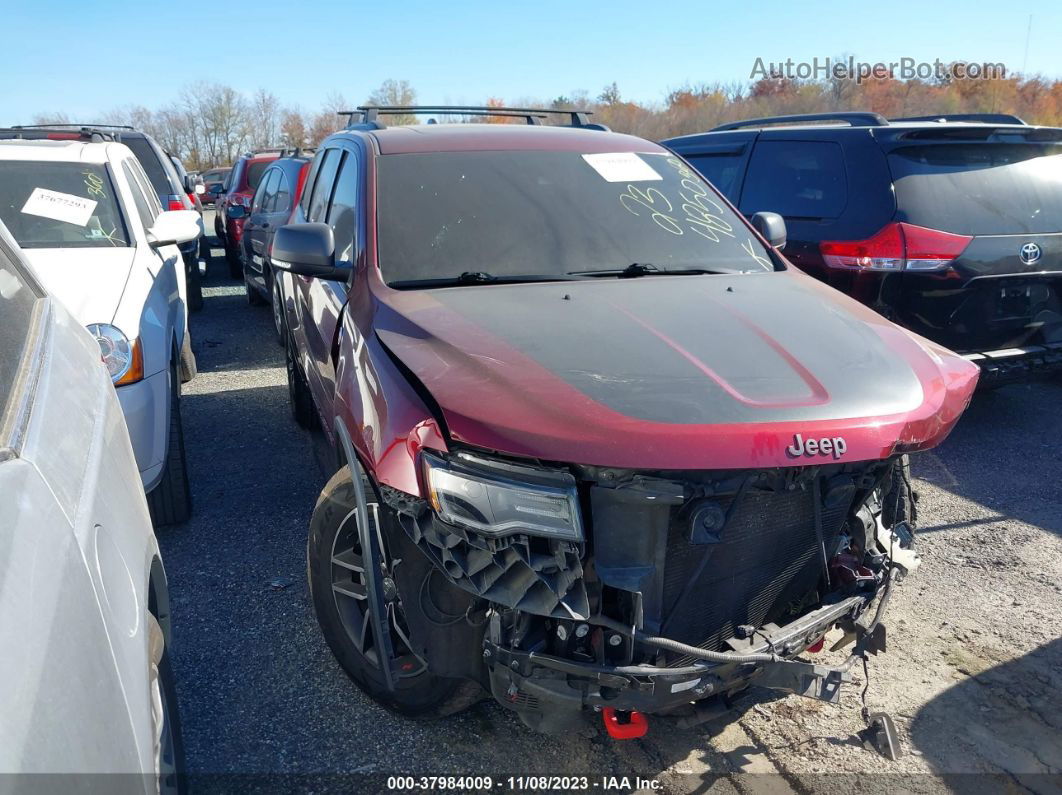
(823, 446)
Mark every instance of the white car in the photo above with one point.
(85, 683)
(96, 236)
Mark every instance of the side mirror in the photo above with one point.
(236, 211)
(174, 227)
(307, 250)
(772, 227)
(189, 183)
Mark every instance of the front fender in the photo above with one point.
(386, 419)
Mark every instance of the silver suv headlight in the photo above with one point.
(498, 499)
(123, 358)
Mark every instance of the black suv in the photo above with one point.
(950, 226)
(175, 189)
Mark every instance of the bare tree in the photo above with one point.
(610, 94)
(264, 119)
(223, 117)
(50, 118)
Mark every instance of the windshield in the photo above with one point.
(508, 213)
(60, 205)
(980, 189)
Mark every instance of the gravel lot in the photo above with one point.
(973, 675)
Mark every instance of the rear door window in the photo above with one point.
(322, 186)
(343, 216)
(263, 197)
(151, 163)
(980, 188)
(796, 179)
(235, 175)
(722, 169)
(143, 208)
(255, 170)
(282, 199)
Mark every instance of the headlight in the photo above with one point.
(499, 499)
(124, 360)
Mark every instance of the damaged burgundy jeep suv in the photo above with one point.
(598, 445)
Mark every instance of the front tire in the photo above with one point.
(336, 569)
(170, 502)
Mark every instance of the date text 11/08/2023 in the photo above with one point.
(520, 783)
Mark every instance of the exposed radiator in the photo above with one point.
(765, 563)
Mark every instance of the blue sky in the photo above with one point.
(85, 58)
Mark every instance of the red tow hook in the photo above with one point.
(816, 647)
(636, 724)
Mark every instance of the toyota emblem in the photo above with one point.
(1029, 253)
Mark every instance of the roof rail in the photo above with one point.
(41, 132)
(858, 119)
(369, 114)
(92, 126)
(986, 118)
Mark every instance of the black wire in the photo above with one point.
(866, 686)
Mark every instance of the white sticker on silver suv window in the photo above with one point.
(65, 207)
(621, 167)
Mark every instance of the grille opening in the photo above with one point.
(765, 566)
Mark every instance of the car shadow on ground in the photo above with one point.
(1003, 723)
(1020, 428)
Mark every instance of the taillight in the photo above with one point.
(174, 203)
(897, 246)
(931, 249)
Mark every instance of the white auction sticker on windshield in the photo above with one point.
(621, 167)
(65, 207)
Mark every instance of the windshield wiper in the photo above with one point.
(636, 269)
(480, 277)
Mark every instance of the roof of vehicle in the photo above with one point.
(501, 137)
(253, 157)
(59, 151)
(845, 122)
(293, 161)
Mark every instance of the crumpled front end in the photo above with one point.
(671, 587)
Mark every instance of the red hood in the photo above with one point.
(701, 372)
